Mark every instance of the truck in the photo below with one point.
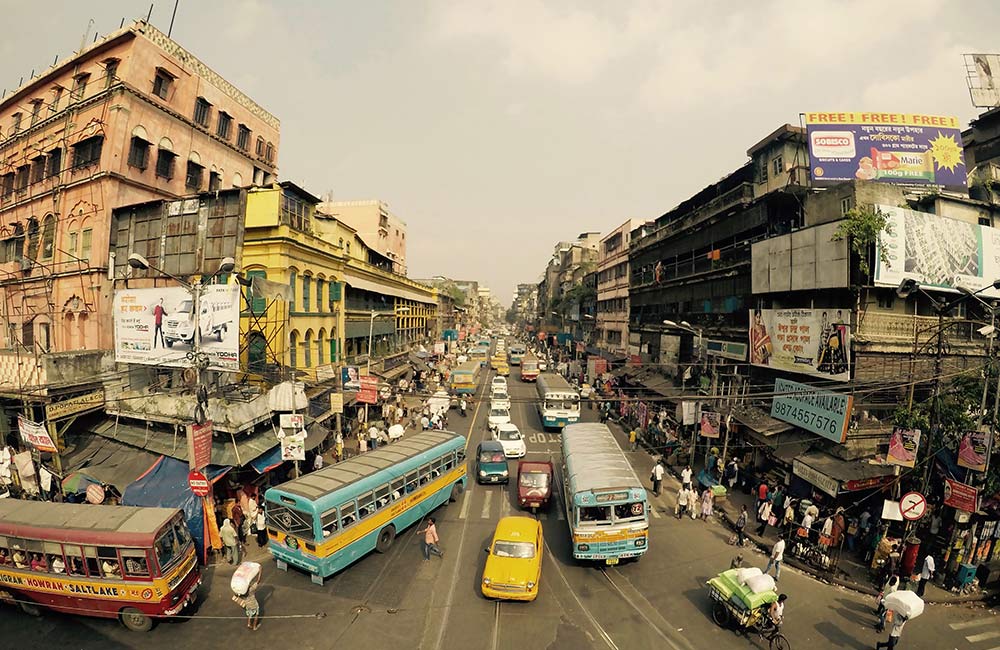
(216, 319)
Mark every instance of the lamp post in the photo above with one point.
(227, 265)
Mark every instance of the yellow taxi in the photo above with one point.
(514, 566)
(497, 360)
(502, 369)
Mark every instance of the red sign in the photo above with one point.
(867, 483)
(95, 494)
(368, 394)
(200, 445)
(198, 483)
(960, 496)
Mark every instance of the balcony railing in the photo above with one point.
(876, 327)
(741, 194)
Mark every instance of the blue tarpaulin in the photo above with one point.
(268, 461)
(165, 485)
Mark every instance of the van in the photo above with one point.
(491, 463)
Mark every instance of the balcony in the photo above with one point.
(742, 194)
(46, 372)
(887, 331)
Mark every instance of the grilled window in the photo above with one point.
(37, 168)
(36, 110)
(194, 173)
(243, 137)
(165, 163)
(87, 152)
(223, 126)
(23, 175)
(138, 154)
(162, 83)
(79, 86)
(202, 109)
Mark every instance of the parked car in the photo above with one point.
(514, 564)
(509, 436)
(491, 463)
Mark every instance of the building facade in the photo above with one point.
(383, 231)
(611, 318)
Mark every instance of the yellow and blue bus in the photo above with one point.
(465, 378)
(480, 355)
(515, 354)
(558, 402)
(328, 519)
(605, 503)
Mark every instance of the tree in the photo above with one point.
(861, 227)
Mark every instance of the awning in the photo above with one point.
(359, 328)
(829, 473)
(376, 287)
(759, 421)
(159, 441)
(395, 373)
(268, 461)
(107, 461)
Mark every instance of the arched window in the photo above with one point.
(320, 348)
(293, 344)
(306, 292)
(31, 243)
(307, 349)
(48, 236)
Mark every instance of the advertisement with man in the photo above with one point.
(811, 341)
(937, 252)
(898, 148)
(157, 326)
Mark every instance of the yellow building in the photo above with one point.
(343, 293)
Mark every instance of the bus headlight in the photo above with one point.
(292, 543)
(583, 547)
(640, 542)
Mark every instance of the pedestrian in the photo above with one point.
(826, 533)
(807, 522)
(686, 476)
(683, 496)
(789, 516)
(898, 621)
(373, 437)
(238, 519)
(732, 471)
(230, 541)
(318, 461)
(251, 607)
(339, 447)
(633, 439)
(736, 562)
(431, 540)
(777, 555)
(656, 476)
(839, 527)
(261, 526)
(762, 490)
(425, 422)
(926, 573)
(741, 524)
(763, 514)
(362, 445)
(890, 587)
(707, 502)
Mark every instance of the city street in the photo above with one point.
(397, 600)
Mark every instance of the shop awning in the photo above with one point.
(759, 421)
(398, 292)
(832, 474)
(107, 461)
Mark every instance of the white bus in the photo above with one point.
(558, 402)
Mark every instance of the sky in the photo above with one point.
(496, 128)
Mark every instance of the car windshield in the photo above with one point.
(535, 480)
(499, 394)
(499, 413)
(510, 435)
(522, 550)
(492, 457)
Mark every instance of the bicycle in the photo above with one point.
(761, 623)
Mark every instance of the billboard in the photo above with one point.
(711, 424)
(960, 495)
(823, 412)
(350, 379)
(974, 450)
(903, 446)
(984, 79)
(898, 148)
(938, 252)
(811, 341)
(35, 434)
(156, 326)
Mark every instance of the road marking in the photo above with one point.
(496, 627)
(656, 513)
(486, 505)
(973, 623)
(593, 621)
(466, 502)
(976, 638)
(504, 506)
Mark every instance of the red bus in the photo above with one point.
(133, 564)
(529, 368)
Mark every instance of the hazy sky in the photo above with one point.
(496, 128)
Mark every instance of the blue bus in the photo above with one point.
(558, 403)
(515, 354)
(606, 507)
(328, 519)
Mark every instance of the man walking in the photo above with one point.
(777, 554)
(741, 523)
(686, 477)
(633, 438)
(897, 630)
(926, 573)
(657, 476)
(430, 543)
(684, 498)
(158, 313)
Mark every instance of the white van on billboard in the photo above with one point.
(156, 326)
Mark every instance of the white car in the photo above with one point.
(499, 382)
(498, 415)
(499, 398)
(509, 436)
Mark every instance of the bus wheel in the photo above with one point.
(456, 491)
(30, 609)
(386, 536)
(135, 620)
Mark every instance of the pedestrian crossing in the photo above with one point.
(494, 502)
(974, 632)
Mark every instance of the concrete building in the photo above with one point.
(130, 118)
(611, 317)
(383, 231)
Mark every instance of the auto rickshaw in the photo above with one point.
(534, 483)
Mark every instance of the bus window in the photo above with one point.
(17, 554)
(329, 521)
(425, 474)
(366, 505)
(74, 559)
(382, 496)
(595, 515)
(449, 461)
(397, 488)
(110, 564)
(411, 482)
(347, 514)
(629, 511)
(136, 564)
(54, 557)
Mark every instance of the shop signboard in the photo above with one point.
(726, 349)
(74, 405)
(938, 252)
(326, 372)
(35, 434)
(821, 411)
(156, 327)
(898, 148)
(973, 450)
(439, 348)
(368, 391)
(815, 478)
(293, 447)
(810, 341)
(337, 402)
(200, 445)
(960, 496)
(903, 446)
(711, 424)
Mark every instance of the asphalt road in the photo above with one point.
(397, 600)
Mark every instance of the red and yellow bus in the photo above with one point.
(133, 564)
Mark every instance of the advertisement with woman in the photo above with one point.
(810, 341)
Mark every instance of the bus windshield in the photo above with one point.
(171, 543)
(595, 515)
